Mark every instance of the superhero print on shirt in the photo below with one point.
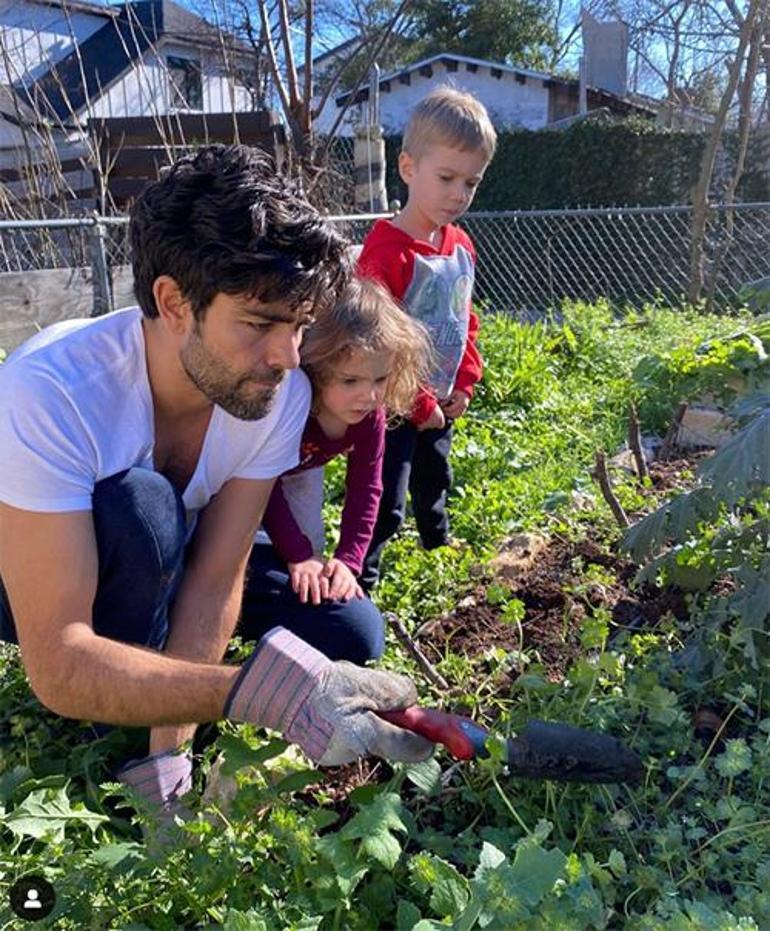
(439, 296)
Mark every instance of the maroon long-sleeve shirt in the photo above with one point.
(363, 445)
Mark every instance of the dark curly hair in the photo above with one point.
(223, 219)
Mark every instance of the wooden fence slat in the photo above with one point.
(184, 128)
(30, 301)
(138, 163)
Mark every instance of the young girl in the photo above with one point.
(366, 359)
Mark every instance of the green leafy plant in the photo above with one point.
(465, 846)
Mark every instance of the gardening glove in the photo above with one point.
(326, 707)
(161, 779)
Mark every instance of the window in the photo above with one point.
(186, 88)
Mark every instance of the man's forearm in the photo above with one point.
(202, 623)
(99, 679)
(200, 628)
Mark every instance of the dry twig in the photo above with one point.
(669, 440)
(603, 477)
(414, 651)
(635, 442)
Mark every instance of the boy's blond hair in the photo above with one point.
(367, 317)
(451, 117)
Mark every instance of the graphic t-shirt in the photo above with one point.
(76, 407)
(434, 284)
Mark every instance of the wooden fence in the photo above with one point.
(32, 300)
(134, 149)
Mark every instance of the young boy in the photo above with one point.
(428, 264)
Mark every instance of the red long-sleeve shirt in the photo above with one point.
(434, 284)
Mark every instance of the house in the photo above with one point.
(516, 98)
(72, 60)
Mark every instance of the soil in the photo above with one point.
(557, 597)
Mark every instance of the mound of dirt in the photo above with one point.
(559, 585)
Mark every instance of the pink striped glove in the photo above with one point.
(161, 778)
(326, 707)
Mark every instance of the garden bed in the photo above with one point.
(566, 637)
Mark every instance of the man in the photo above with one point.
(138, 452)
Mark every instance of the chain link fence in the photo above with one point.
(528, 261)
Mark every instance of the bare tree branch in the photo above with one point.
(273, 60)
(380, 44)
(291, 70)
(701, 190)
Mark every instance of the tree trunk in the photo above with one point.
(701, 189)
(745, 93)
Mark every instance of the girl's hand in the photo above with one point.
(342, 583)
(308, 580)
(456, 404)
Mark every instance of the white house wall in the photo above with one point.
(36, 36)
(144, 91)
(510, 103)
(11, 136)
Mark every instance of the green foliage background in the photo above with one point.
(626, 163)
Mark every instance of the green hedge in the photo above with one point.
(626, 163)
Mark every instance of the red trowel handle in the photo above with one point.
(462, 738)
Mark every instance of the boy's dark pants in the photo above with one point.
(415, 461)
(139, 523)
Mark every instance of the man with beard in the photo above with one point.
(138, 452)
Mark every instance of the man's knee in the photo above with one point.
(367, 631)
(139, 514)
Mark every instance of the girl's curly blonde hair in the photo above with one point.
(367, 317)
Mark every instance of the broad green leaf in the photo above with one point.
(112, 856)
(244, 921)
(11, 780)
(348, 870)
(426, 775)
(742, 465)
(407, 915)
(295, 782)
(47, 812)
(617, 863)
(536, 871)
(449, 890)
(374, 825)
(489, 858)
(238, 752)
(676, 520)
(509, 893)
(735, 759)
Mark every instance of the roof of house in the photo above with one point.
(80, 6)
(451, 59)
(497, 69)
(109, 52)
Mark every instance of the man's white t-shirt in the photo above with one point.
(76, 407)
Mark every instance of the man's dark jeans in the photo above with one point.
(140, 530)
(417, 462)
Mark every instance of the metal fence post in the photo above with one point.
(100, 271)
